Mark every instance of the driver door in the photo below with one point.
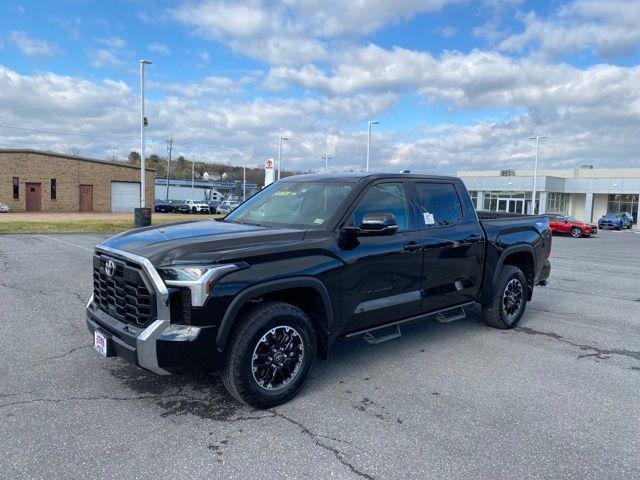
(381, 275)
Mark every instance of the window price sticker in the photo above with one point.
(428, 218)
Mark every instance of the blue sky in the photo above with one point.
(455, 84)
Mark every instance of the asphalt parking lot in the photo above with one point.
(555, 398)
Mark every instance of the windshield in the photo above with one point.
(293, 204)
(571, 219)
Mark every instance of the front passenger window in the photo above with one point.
(384, 198)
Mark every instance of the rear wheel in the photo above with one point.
(270, 355)
(576, 232)
(509, 299)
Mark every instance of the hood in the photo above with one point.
(204, 241)
(608, 216)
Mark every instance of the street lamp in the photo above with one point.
(142, 170)
(326, 157)
(535, 173)
(280, 154)
(371, 122)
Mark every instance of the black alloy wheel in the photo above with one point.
(277, 357)
(512, 300)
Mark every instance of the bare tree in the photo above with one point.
(73, 151)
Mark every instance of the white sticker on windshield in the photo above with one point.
(319, 221)
(428, 218)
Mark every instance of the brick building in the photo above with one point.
(32, 180)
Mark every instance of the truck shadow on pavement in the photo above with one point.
(203, 395)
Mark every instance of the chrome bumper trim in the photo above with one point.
(146, 340)
(198, 287)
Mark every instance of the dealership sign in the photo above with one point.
(269, 172)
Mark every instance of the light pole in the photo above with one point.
(193, 174)
(326, 157)
(244, 179)
(280, 154)
(169, 149)
(535, 173)
(371, 122)
(142, 170)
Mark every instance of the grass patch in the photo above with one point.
(80, 226)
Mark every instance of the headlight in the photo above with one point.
(197, 278)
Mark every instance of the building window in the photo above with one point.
(474, 198)
(558, 202)
(16, 188)
(507, 173)
(623, 203)
(54, 190)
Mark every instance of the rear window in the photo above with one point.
(439, 203)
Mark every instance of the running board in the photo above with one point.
(446, 315)
(371, 339)
(451, 315)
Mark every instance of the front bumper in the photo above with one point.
(161, 347)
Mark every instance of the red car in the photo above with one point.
(571, 225)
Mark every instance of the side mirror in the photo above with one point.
(378, 224)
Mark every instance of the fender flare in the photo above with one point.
(508, 251)
(269, 287)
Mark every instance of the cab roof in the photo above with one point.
(358, 177)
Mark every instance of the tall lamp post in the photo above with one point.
(535, 173)
(371, 122)
(326, 157)
(280, 154)
(142, 125)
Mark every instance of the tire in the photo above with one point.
(257, 333)
(620, 227)
(576, 232)
(194, 210)
(496, 314)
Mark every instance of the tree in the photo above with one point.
(73, 151)
(182, 163)
(134, 158)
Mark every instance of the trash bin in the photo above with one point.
(141, 217)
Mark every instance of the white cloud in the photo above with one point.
(160, 48)
(291, 33)
(590, 116)
(102, 58)
(448, 32)
(32, 46)
(115, 43)
(609, 29)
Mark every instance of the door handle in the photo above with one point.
(413, 246)
(472, 238)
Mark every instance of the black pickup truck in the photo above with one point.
(260, 294)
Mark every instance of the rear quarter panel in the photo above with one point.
(511, 235)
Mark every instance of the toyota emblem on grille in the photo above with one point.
(109, 268)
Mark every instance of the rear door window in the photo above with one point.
(439, 204)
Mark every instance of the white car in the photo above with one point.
(197, 207)
(226, 207)
(4, 208)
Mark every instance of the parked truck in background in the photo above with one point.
(311, 259)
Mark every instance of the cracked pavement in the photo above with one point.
(555, 398)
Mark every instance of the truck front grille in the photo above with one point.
(125, 294)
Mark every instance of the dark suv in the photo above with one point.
(311, 259)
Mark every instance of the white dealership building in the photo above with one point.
(587, 193)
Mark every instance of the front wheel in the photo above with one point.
(270, 355)
(509, 299)
(576, 232)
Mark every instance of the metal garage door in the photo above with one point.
(124, 196)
